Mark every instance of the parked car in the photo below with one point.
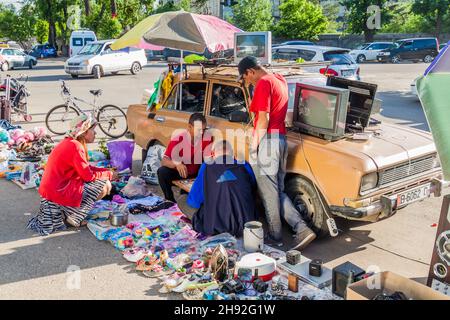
(43, 51)
(97, 58)
(369, 51)
(350, 178)
(16, 58)
(342, 64)
(78, 39)
(295, 43)
(425, 49)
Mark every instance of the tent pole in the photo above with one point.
(181, 76)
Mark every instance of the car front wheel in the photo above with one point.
(307, 202)
(97, 72)
(135, 68)
(30, 64)
(428, 58)
(395, 59)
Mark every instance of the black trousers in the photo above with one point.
(165, 178)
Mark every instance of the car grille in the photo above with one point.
(73, 63)
(405, 170)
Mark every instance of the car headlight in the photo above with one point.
(369, 181)
(436, 162)
(84, 63)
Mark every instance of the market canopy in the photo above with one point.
(433, 88)
(180, 30)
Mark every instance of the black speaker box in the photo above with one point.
(343, 275)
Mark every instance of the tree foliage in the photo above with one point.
(358, 17)
(253, 15)
(435, 12)
(301, 19)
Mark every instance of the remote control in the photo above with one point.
(332, 228)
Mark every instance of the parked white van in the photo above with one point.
(78, 39)
(97, 58)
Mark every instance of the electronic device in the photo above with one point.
(332, 227)
(293, 257)
(260, 286)
(293, 283)
(258, 264)
(321, 111)
(361, 100)
(439, 275)
(233, 286)
(315, 268)
(301, 270)
(343, 275)
(256, 44)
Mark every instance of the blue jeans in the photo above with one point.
(270, 171)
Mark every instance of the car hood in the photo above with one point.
(80, 58)
(390, 144)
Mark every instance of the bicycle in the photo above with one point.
(16, 93)
(109, 117)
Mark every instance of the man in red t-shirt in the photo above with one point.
(183, 155)
(269, 150)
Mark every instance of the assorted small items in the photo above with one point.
(344, 275)
(315, 268)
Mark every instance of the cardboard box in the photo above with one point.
(390, 283)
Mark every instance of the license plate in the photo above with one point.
(347, 73)
(413, 195)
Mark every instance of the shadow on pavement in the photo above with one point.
(407, 109)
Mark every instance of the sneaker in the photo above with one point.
(304, 238)
(271, 242)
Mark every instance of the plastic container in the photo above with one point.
(121, 153)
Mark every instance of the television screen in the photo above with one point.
(256, 44)
(362, 97)
(317, 109)
(321, 110)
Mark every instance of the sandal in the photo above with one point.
(197, 293)
(147, 263)
(158, 271)
(135, 254)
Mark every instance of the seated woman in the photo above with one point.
(70, 186)
(223, 193)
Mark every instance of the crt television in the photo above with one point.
(256, 44)
(321, 111)
(362, 98)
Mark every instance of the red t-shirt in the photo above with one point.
(271, 95)
(181, 149)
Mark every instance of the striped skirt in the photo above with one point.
(51, 215)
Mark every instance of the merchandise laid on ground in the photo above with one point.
(158, 239)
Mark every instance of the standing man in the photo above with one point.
(183, 155)
(269, 151)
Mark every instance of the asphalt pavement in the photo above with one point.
(34, 267)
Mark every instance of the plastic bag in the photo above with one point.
(152, 164)
(135, 188)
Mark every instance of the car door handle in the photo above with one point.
(160, 119)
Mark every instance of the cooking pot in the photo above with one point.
(119, 217)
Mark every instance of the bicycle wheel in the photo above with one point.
(58, 118)
(112, 121)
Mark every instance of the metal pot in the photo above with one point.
(119, 218)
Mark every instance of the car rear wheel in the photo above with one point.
(428, 58)
(306, 200)
(5, 66)
(97, 72)
(135, 68)
(361, 58)
(395, 59)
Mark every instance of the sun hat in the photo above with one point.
(80, 125)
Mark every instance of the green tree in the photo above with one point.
(253, 15)
(17, 25)
(403, 20)
(109, 28)
(301, 19)
(41, 31)
(331, 12)
(171, 6)
(435, 12)
(359, 19)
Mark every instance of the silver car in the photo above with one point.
(16, 58)
(342, 63)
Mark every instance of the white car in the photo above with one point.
(342, 64)
(16, 58)
(97, 58)
(369, 51)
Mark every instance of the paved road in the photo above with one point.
(34, 267)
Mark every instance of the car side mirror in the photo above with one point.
(238, 116)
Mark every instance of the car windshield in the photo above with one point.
(91, 49)
(363, 46)
(397, 44)
(339, 58)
